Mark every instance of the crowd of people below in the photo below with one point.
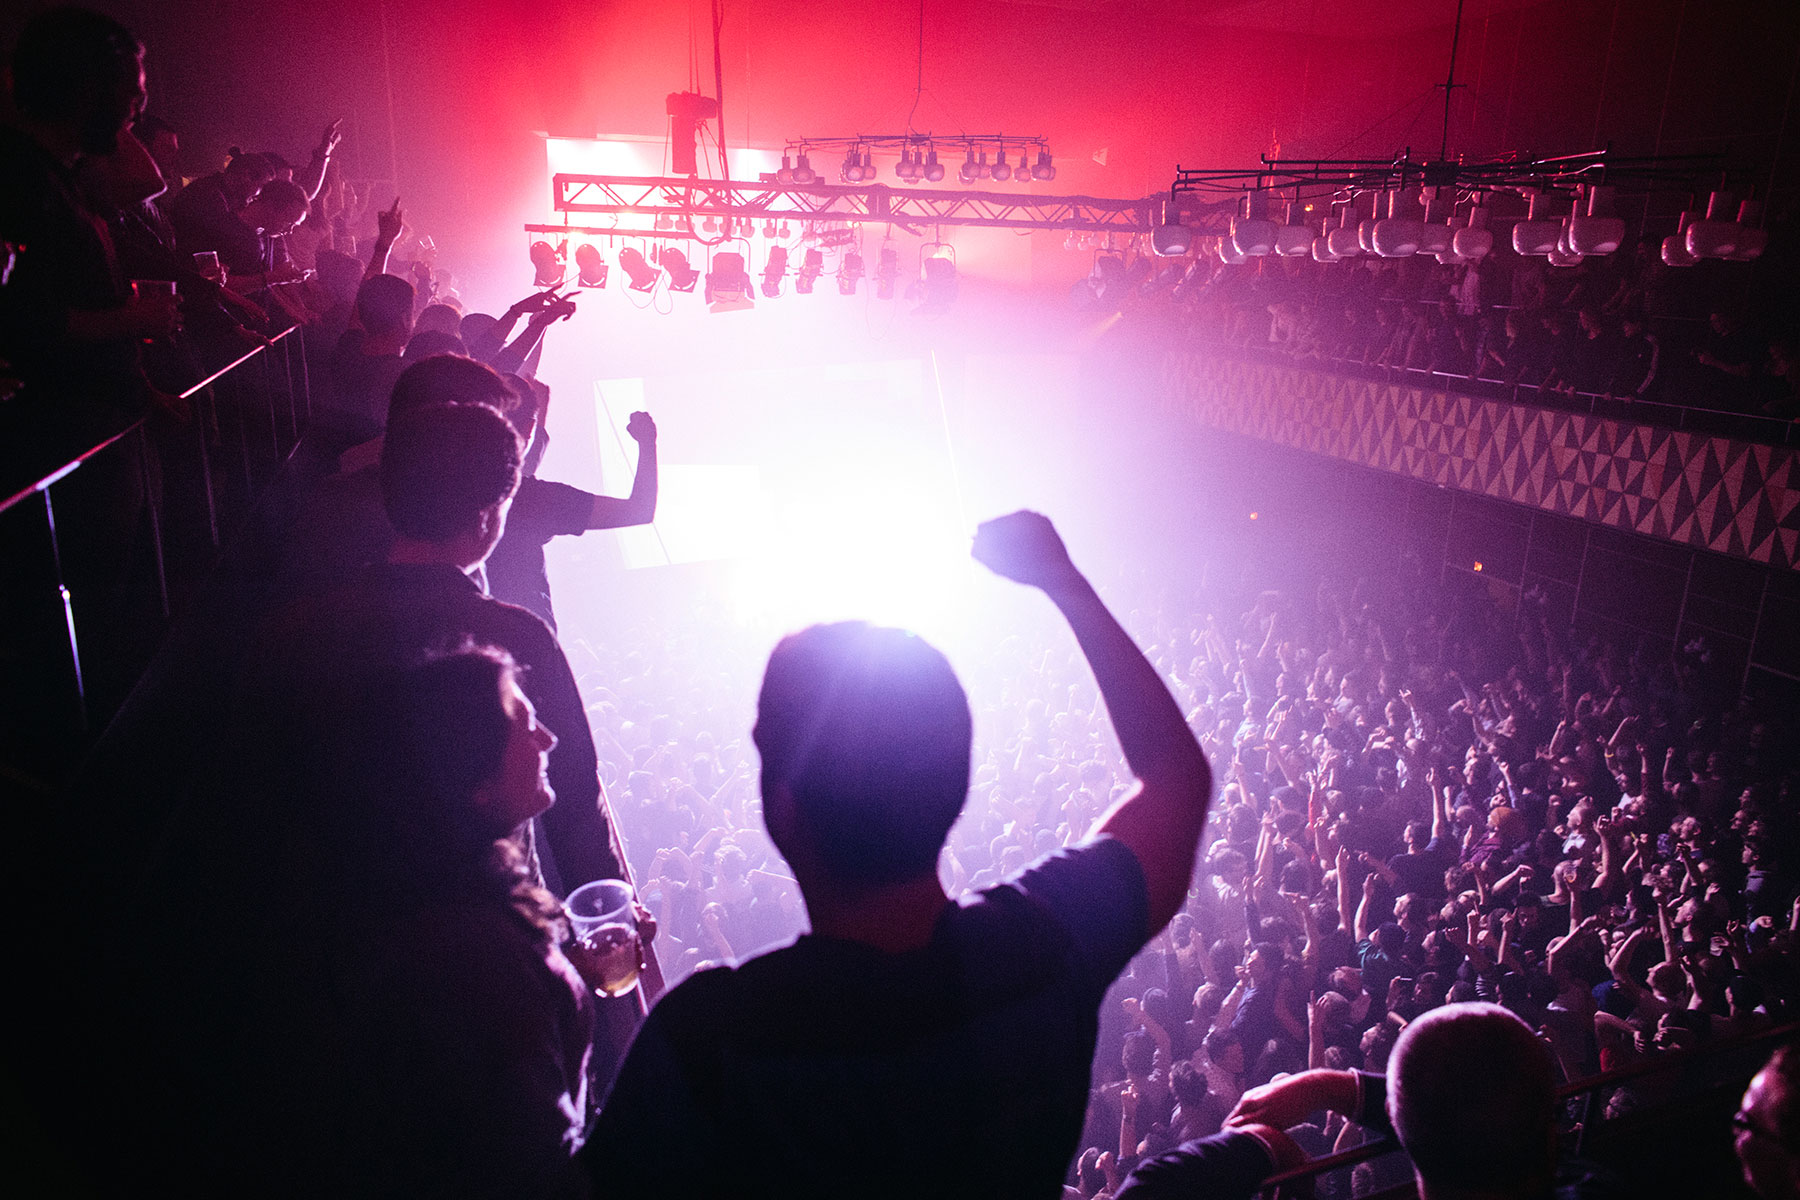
(1187, 877)
(1424, 800)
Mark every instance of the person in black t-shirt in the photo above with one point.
(543, 510)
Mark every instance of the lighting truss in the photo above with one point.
(1308, 178)
(635, 203)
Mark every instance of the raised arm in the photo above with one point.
(388, 224)
(1160, 819)
(639, 508)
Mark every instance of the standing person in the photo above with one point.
(910, 1044)
(543, 509)
(1469, 1092)
(71, 327)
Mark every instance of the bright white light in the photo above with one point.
(841, 503)
(865, 540)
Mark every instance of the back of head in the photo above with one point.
(74, 66)
(448, 379)
(66, 55)
(1768, 1127)
(870, 730)
(428, 342)
(1471, 1093)
(285, 201)
(440, 317)
(384, 305)
(445, 465)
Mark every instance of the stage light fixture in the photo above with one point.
(1022, 172)
(850, 271)
(769, 229)
(590, 268)
(810, 269)
(851, 171)
(773, 270)
(937, 280)
(803, 171)
(934, 170)
(682, 275)
(643, 275)
(547, 264)
(887, 274)
(728, 284)
(785, 173)
(973, 168)
(1002, 170)
(1170, 238)
(1043, 172)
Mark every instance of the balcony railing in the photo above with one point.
(244, 420)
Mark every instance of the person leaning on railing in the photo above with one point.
(1469, 1094)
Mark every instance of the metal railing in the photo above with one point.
(243, 420)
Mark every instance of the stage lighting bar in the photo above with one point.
(642, 199)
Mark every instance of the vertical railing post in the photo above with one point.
(68, 608)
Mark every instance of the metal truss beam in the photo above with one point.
(685, 200)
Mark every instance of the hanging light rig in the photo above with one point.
(918, 158)
(1401, 207)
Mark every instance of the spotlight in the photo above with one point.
(868, 166)
(1043, 172)
(547, 262)
(786, 172)
(590, 268)
(1022, 172)
(937, 271)
(769, 229)
(849, 272)
(710, 225)
(851, 171)
(1002, 170)
(971, 168)
(682, 275)
(773, 270)
(728, 284)
(887, 274)
(903, 170)
(810, 269)
(665, 221)
(643, 275)
(1170, 238)
(803, 172)
(934, 170)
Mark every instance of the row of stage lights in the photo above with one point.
(919, 163)
(1401, 223)
(728, 279)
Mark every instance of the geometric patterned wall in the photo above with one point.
(1733, 497)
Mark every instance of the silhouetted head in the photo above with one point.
(865, 739)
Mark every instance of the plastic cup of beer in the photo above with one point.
(603, 917)
(206, 264)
